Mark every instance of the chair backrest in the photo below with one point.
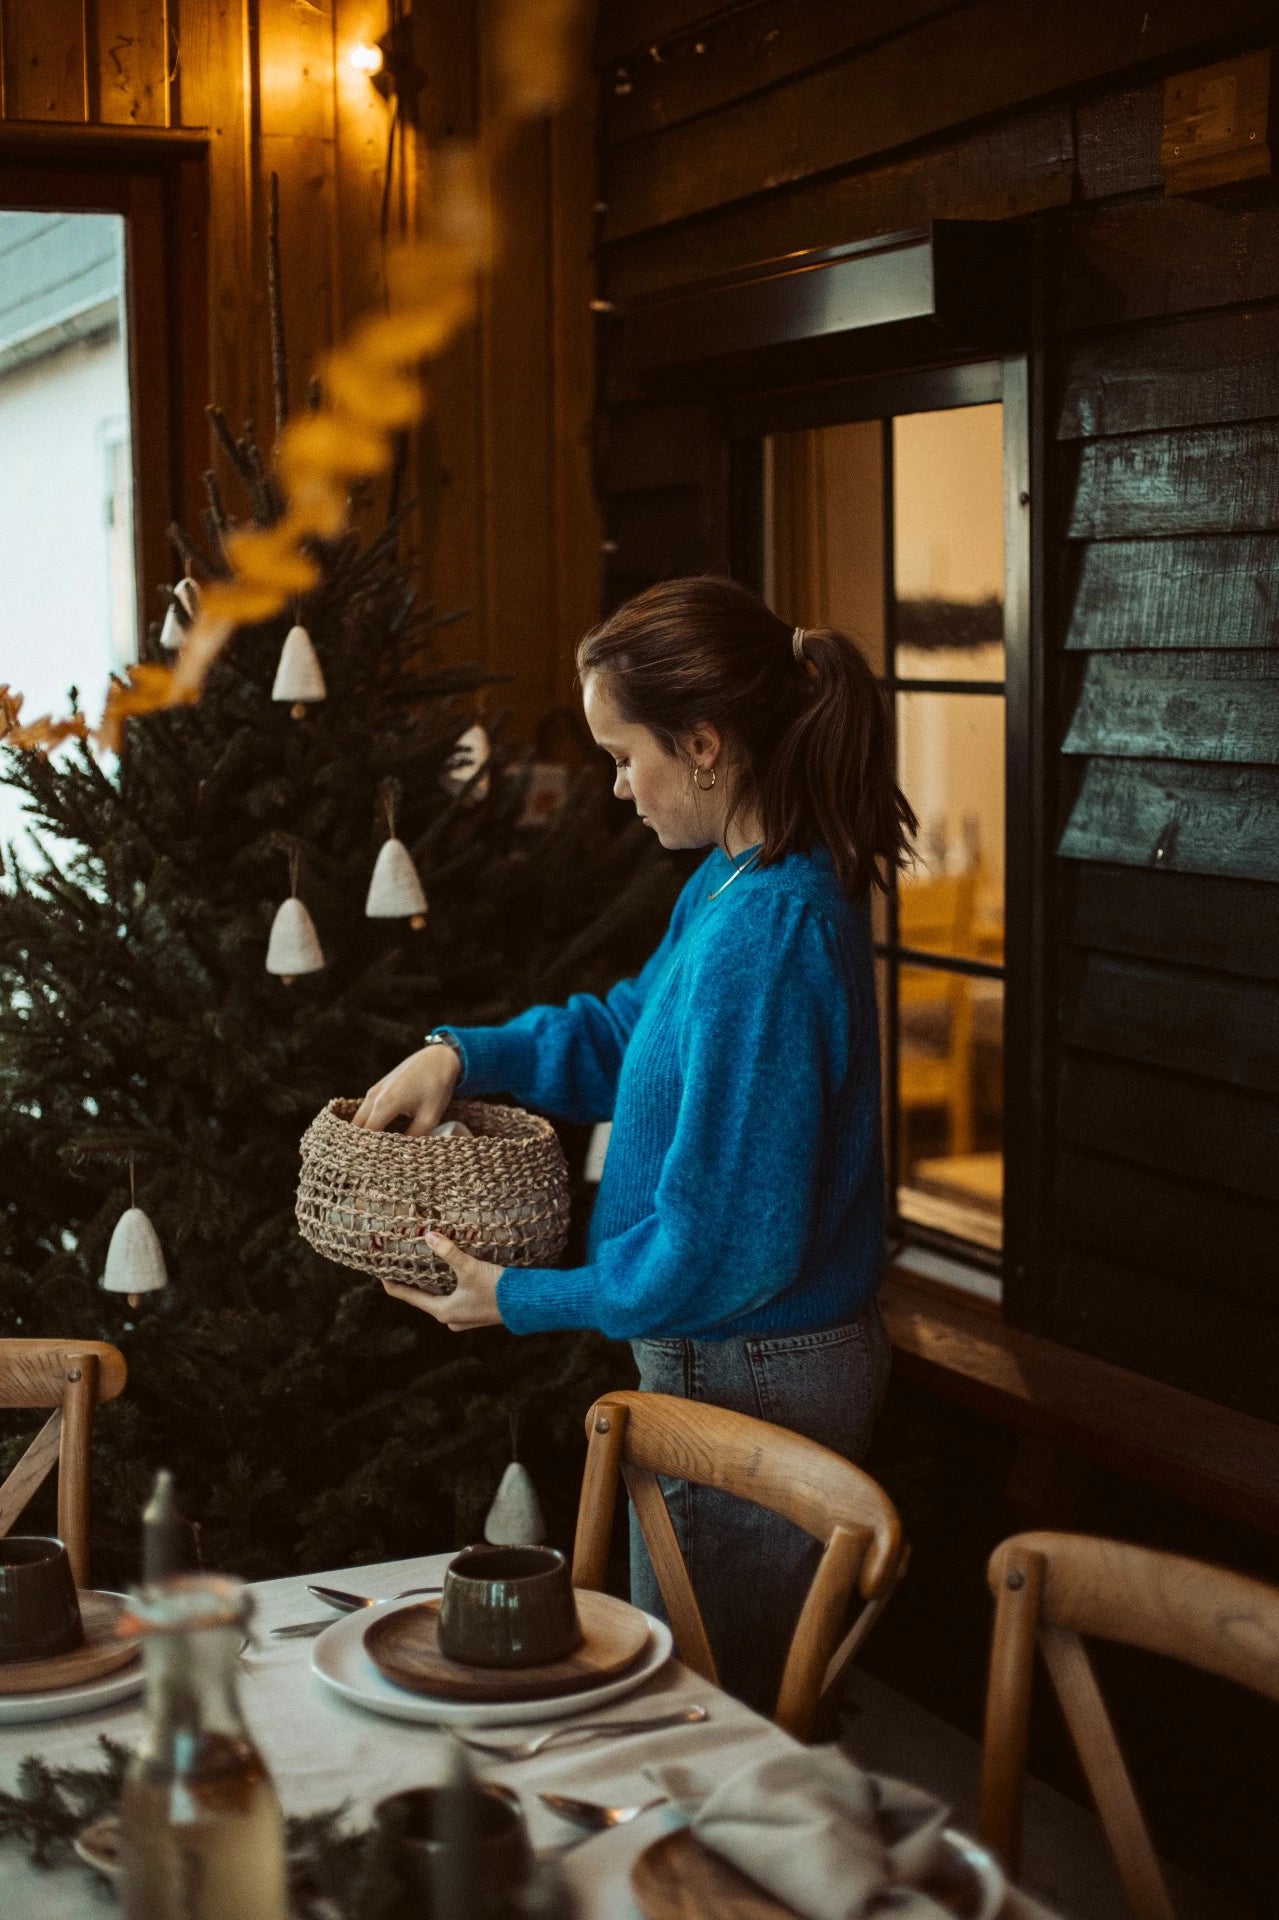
(936, 912)
(1052, 1588)
(72, 1377)
(642, 1435)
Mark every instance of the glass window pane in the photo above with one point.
(824, 530)
(950, 766)
(67, 615)
(950, 1103)
(948, 543)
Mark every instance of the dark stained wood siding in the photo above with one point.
(738, 133)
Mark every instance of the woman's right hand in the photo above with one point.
(421, 1087)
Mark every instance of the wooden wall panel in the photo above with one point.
(1186, 819)
(1194, 1129)
(1210, 480)
(129, 63)
(1220, 925)
(1224, 1030)
(45, 60)
(1220, 707)
(1186, 373)
(1156, 594)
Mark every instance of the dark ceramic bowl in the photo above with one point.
(458, 1858)
(39, 1610)
(508, 1607)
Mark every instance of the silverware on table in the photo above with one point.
(352, 1602)
(341, 1603)
(589, 1813)
(578, 1730)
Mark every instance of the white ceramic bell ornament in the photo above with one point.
(470, 754)
(294, 946)
(184, 605)
(395, 891)
(299, 677)
(515, 1517)
(135, 1258)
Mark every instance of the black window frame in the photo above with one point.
(1004, 378)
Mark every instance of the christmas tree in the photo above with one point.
(310, 1420)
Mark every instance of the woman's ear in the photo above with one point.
(704, 744)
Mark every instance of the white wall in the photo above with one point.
(62, 620)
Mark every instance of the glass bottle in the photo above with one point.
(202, 1836)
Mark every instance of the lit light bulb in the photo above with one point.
(366, 59)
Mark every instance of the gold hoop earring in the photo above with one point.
(697, 783)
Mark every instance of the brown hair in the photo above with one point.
(810, 740)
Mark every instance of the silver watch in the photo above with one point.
(441, 1037)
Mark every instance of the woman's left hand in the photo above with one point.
(472, 1304)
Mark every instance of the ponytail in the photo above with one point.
(805, 718)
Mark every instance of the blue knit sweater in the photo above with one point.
(743, 1188)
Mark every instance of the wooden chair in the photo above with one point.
(647, 1434)
(73, 1377)
(936, 915)
(1055, 1587)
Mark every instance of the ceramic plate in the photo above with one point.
(18, 1708)
(339, 1659)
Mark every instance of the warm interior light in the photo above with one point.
(366, 59)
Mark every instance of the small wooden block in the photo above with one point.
(677, 1878)
(100, 1652)
(405, 1647)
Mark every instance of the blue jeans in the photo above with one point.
(751, 1569)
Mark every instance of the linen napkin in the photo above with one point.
(827, 1839)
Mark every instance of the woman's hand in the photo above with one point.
(473, 1304)
(420, 1087)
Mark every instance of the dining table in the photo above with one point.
(324, 1752)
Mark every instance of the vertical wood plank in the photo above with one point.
(451, 446)
(217, 91)
(129, 62)
(577, 530)
(298, 138)
(44, 60)
(361, 127)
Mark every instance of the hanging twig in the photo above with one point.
(275, 307)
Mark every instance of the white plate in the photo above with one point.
(339, 1659)
(17, 1708)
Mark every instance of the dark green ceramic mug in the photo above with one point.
(508, 1607)
(39, 1607)
(454, 1850)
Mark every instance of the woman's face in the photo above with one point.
(659, 784)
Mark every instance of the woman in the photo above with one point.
(737, 1238)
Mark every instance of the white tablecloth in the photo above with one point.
(321, 1752)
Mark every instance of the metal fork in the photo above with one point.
(581, 1730)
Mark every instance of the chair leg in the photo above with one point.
(1012, 1666)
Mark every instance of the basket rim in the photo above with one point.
(532, 1130)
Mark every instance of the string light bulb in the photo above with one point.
(366, 58)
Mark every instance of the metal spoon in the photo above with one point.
(581, 1729)
(589, 1813)
(349, 1603)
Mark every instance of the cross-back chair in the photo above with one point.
(642, 1435)
(73, 1377)
(1053, 1588)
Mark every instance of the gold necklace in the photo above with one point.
(734, 875)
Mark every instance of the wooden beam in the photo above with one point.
(1194, 920)
(1221, 707)
(1152, 594)
(914, 86)
(1022, 165)
(1188, 1445)
(1180, 818)
(1157, 257)
(1225, 1030)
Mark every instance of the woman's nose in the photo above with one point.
(621, 786)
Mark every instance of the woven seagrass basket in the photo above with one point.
(368, 1200)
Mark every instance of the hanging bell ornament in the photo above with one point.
(184, 605)
(515, 1517)
(395, 892)
(294, 946)
(470, 754)
(298, 677)
(135, 1258)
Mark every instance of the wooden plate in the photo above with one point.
(404, 1645)
(99, 1653)
(677, 1878)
